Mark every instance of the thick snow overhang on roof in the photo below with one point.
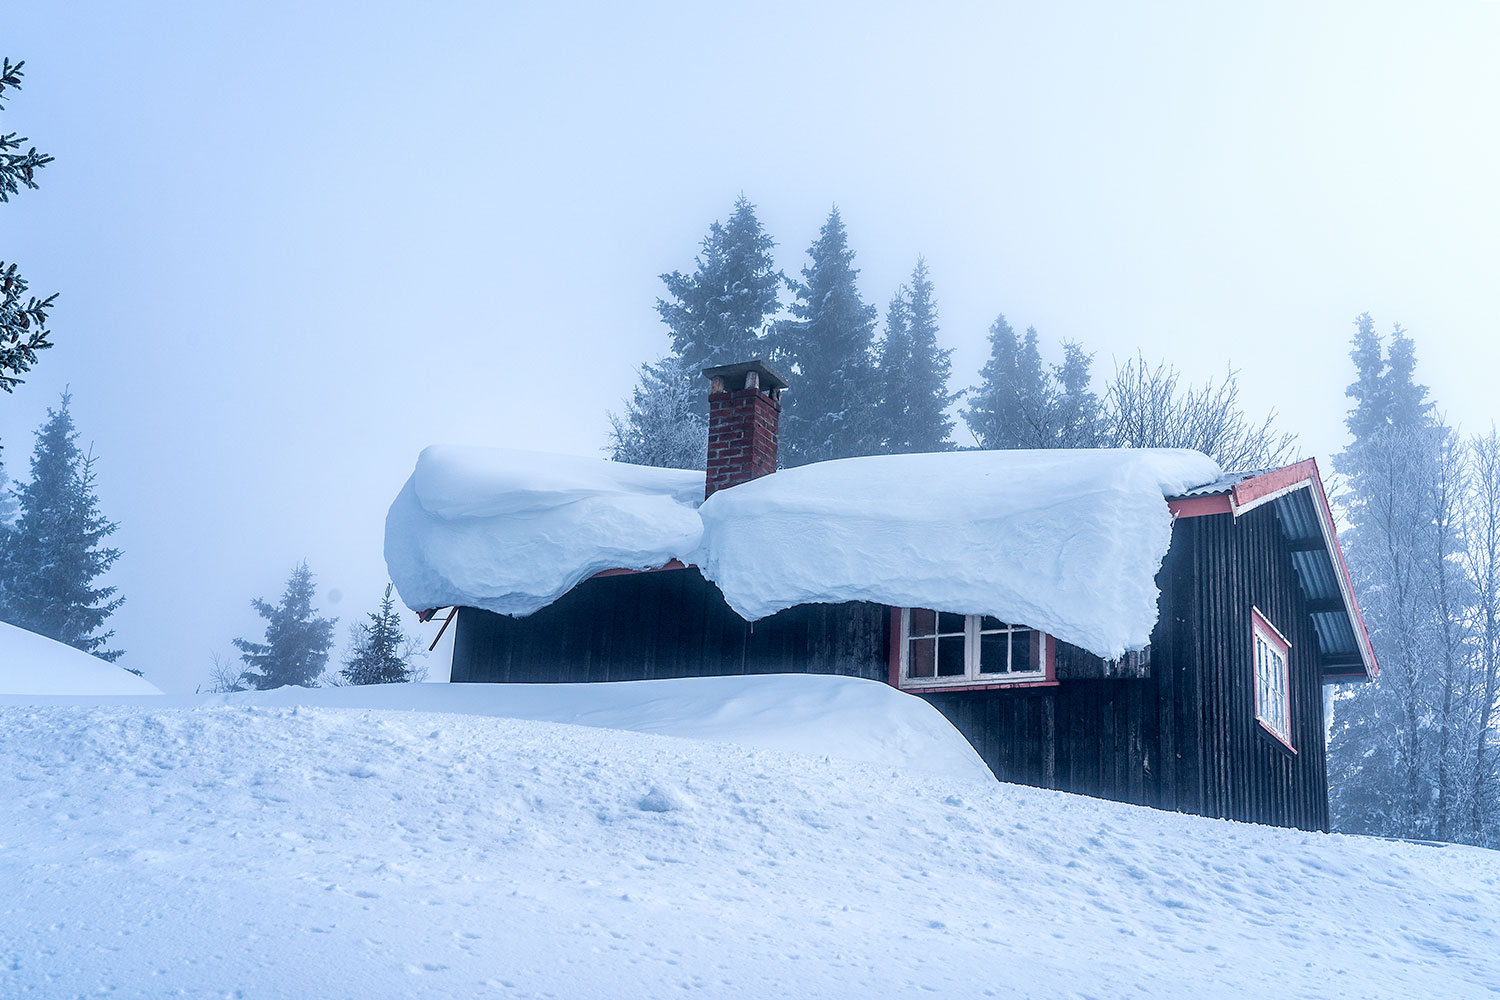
(1301, 505)
(1067, 541)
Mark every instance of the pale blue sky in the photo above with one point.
(297, 242)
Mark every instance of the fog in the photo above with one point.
(295, 246)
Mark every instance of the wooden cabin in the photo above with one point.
(1221, 714)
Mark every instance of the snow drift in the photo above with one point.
(1064, 541)
(32, 664)
(816, 714)
(295, 851)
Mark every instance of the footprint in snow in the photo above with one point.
(661, 800)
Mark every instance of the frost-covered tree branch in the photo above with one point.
(1148, 406)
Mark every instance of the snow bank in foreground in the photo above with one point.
(316, 852)
(814, 714)
(512, 531)
(1065, 541)
(32, 664)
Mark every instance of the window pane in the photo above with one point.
(950, 624)
(923, 621)
(992, 659)
(1020, 652)
(988, 622)
(951, 656)
(921, 653)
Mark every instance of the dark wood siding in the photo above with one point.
(668, 624)
(1181, 734)
(1247, 773)
(1175, 730)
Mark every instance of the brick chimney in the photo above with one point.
(744, 408)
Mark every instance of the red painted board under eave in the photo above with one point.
(673, 564)
(1216, 503)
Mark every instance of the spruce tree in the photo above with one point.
(894, 360)
(1075, 406)
(297, 641)
(718, 314)
(923, 382)
(1397, 753)
(994, 410)
(1369, 412)
(1034, 396)
(831, 409)
(23, 318)
(53, 554)
(381, 650)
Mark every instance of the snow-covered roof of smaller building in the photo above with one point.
(1065, 541)
(32, 664)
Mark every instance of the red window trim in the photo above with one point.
(1260, 624)
(1048, 678)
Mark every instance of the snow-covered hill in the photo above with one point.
(258, 848)
(32, 664)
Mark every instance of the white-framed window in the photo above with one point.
(939, 648)
(1273, 678)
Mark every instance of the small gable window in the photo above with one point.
(1273, 688)
(940, 649)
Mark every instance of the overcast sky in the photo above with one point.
(298, 242)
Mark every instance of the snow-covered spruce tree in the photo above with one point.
(832, 409)
(23, 318)
(1075, 408)
(52, 554)
(994, 409)
(913, 373)
(1012, 407)
(380, 650)
(1407, 753)
(892, 359)
(1035, 394)
(664, 424)
(297, 640)
(718, 314)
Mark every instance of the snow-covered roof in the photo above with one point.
(1065, 541)
(512, 531)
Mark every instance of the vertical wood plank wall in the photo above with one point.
(1182, 737)
(668, 624)
(1185, 737)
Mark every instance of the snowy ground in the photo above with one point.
(258, 848)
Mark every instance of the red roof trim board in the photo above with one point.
(1268, 486)
(670, 564)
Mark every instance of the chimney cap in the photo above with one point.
(735, 372)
